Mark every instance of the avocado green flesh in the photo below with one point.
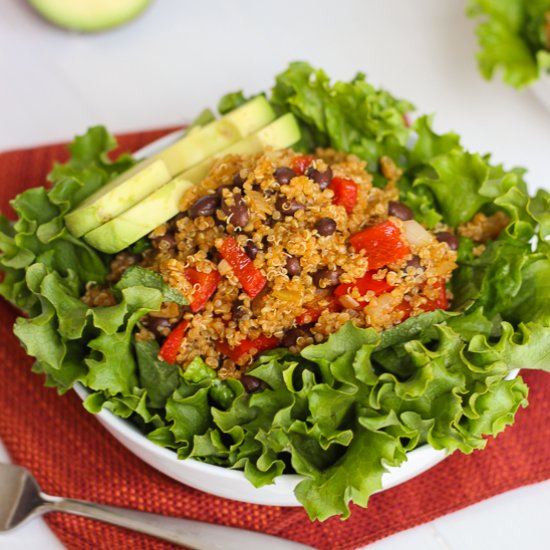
(163, 204)
(143, 179)
(89, 15)
(281, 133)
(115, 197)
(141, 219)
(217, 135)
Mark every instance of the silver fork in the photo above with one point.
(21, 499)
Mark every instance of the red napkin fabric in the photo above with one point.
(72, 455)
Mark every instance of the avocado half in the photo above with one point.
(89, 15)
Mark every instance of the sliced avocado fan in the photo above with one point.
(163, 204)
(132, 186)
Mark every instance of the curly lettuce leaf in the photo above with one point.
(349, 116)
(139, 276)
(88, 168)
(457, 174)
(39, 235)
(157, 377)
(512, 38)
(343, 418)
(428, 144)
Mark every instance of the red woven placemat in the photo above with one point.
(71, 455)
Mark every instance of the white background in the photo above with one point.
(181, 56)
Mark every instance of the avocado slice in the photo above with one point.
(89, 15)
(128, 227)
(217, 135)
(281, 133)
(140, 181)
(115, 197)
(141, 219)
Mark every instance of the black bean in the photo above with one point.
(448, 238)
(325, 226)
(213, 255)
(252, 384)
(157, 324)
(399, 210)
(238, 180)
(325, 278)
(293, 266)
(239, 311)
(205, 206)
(415, 262)
(166, 242)
(283, 175)
(237, 213)
(220, 189)
(288, 207)
(173, 223)
(323, 179)
(251, 249)
(291, 336)
(135, 258)
(179, 216)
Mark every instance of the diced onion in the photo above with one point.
(287, 295)
(348, 301)
(224, 268)
(415, 233)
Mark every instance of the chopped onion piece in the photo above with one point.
(348, 301)
(224, 268)
(415, 233)
(287, 295)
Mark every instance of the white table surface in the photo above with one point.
(181, 56)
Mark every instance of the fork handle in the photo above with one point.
(193, 534)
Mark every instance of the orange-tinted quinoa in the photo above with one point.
(291, 216)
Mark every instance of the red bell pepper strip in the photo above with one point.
(345, 193)
(262, 343)
(170, 348)
(250, 277)
(364, 285)
(382, 243)
(406, 308)
(301, 163)
(204, 285)
(312, 314)
(309, 316)
(441, 301)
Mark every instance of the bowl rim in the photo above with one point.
(132, 432)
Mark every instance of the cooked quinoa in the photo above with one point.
(288, 215)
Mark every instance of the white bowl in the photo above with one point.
(541, 88)
(221, 481)
(232, 484)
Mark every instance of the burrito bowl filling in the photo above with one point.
(281, 249)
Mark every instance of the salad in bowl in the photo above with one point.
(308, 286)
